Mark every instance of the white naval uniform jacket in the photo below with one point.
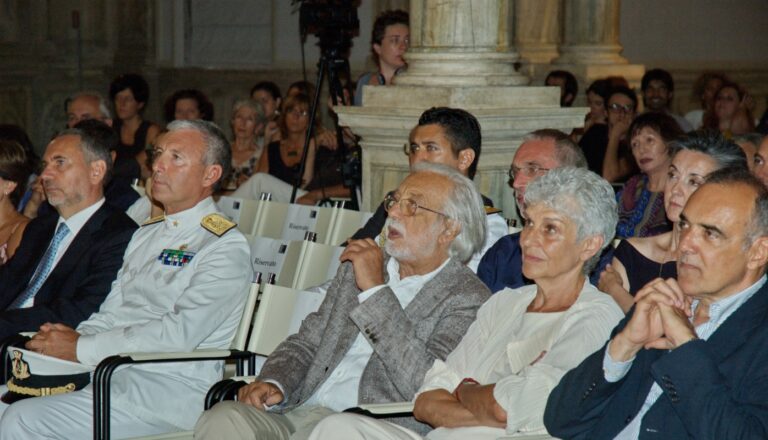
(155, 306)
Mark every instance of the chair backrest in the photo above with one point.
(269, 219)
(312, 265)
(241, 335)
(241, 211)
(300, 219)
(267, 255)
(279, 315)
(346, 222)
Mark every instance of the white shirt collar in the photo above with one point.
(76, 222)
(393, 269)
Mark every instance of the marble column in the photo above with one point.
(460, 43)
(462, 56)
(591, 33)
(591, 47)
(537, 29)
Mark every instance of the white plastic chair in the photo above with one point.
(308, 264)
(269, 219)
(300, 219)
(105, 369)
(345, 224)
(241, 211)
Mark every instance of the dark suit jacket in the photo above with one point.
(81, 279)
(714, 389)
(405, 342)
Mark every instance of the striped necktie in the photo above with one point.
(43, 269)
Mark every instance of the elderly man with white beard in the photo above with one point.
(387, 316)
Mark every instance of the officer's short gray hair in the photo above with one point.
(218, 151)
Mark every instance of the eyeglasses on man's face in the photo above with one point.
(619, 108)
(407, 206)
(298, 112)
(531, 170)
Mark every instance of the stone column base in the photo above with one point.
(461, 69)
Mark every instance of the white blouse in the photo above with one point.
(525, 354)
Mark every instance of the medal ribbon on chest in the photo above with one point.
(175, 257)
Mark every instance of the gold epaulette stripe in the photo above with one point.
(217, 224)
(154, 220)
(37, 392)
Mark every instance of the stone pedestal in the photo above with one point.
(459, 58)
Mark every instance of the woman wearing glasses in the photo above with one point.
(604, 145)
(641, 201)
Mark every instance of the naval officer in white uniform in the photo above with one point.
(182, 286)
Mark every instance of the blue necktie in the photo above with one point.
(43, 269)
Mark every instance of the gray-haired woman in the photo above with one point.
(248, 120)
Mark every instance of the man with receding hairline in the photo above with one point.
(87, 105)
(66, 281)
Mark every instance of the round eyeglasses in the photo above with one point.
(407, 206)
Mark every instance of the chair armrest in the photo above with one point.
(388, 408)
(180, 356)
(223, 390)
(106, 368)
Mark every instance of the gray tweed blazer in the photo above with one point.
(405, 341)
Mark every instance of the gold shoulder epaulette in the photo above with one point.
(154, 220)
(217, 224)
(491, 210)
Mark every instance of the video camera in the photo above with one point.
(334, 22)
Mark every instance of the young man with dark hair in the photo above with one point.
(658, 88)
